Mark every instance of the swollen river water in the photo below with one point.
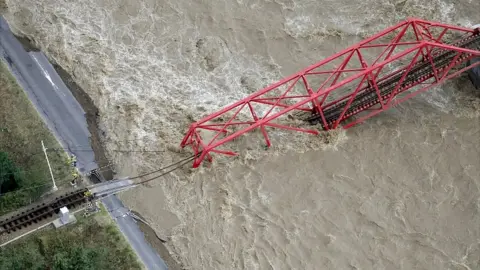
(400, 191)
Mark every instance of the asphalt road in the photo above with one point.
(135, 237)
(66, 119)
(60, 111)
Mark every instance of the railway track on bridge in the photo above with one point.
(419, 73)
(346, 88)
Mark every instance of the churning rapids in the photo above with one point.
(398, 192)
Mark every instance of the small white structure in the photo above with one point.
(65, 218)
(64, 215)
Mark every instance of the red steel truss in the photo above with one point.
(362, 81)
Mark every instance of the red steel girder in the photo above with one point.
(368, 78)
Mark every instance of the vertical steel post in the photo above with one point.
(54, 188)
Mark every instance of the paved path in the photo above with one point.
(66, 119)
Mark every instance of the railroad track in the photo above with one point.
(42, 211)
(368, 97)
(48, 209)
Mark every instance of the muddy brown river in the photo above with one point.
(400, 191)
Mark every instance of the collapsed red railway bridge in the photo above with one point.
(346, 88)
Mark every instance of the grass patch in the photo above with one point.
(21, 132)
(92, 243)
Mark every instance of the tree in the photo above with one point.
(23, 256)
(75, 258)
(10, 175)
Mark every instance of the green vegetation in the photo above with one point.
(21, 132)
(10, 175)
(91, 243)
(11, 178)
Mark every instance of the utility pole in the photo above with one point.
(54, 188)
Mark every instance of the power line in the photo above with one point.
(103, 168)
(180, 164)
(22, 172)
(132, 140)
(85, 150)
(4, 211)
(166, 167)
(78, 148)
(90, 150)
(32, 187)
(165, 173)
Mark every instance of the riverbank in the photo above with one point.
(107, 170)
(91, 243)
(65, 118)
